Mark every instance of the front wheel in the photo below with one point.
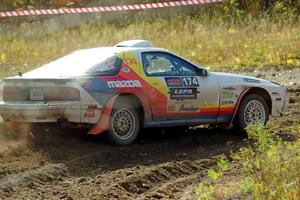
(253, 109)
(124, 125)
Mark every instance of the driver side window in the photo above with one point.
(185, 68)
(158, 64)
(163, 64)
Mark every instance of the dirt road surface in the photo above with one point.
(63, 164)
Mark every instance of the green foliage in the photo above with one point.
(275, 165)
(223, 163)
(213, 174)
(206, 191)
(271, 167)
(248, 185)
(242, 8)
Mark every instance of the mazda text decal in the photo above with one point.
(124, 84)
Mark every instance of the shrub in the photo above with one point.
(271, 166)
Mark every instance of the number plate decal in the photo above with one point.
(36, 95)
(190, 81)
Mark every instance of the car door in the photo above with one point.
(176, 91)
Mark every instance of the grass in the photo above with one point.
(270, 169)
(216, 44)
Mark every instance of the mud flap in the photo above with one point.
(103, 123)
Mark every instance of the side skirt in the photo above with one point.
(179, 122)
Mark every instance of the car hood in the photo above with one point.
(232, 78)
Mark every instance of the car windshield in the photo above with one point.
(99, 61)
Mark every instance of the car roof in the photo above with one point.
(123, 46)
(119, 49)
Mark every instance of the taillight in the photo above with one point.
(91, 111)
(40, 94)
(15, 94)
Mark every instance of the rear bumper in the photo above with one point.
(47, 112)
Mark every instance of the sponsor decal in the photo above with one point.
(124, 84)
(188, 108)
(182, 81)
(275, 93)
(277, 96)
(125, 70)
(183, 93)
(173, 82)
(228, 95)
(229, 88)
(227, 102)
(250, 80)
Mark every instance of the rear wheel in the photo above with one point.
(253, 109)
(124, 125)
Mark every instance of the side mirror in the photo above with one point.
(203, 72)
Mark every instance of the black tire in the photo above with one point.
(124, 125)
(242, 119)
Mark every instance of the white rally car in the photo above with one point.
(118, 90)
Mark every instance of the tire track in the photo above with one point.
(31, 178)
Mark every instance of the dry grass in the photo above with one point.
(216, 44)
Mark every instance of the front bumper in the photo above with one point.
(280, 104)
(285, 104)
(48, 112)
